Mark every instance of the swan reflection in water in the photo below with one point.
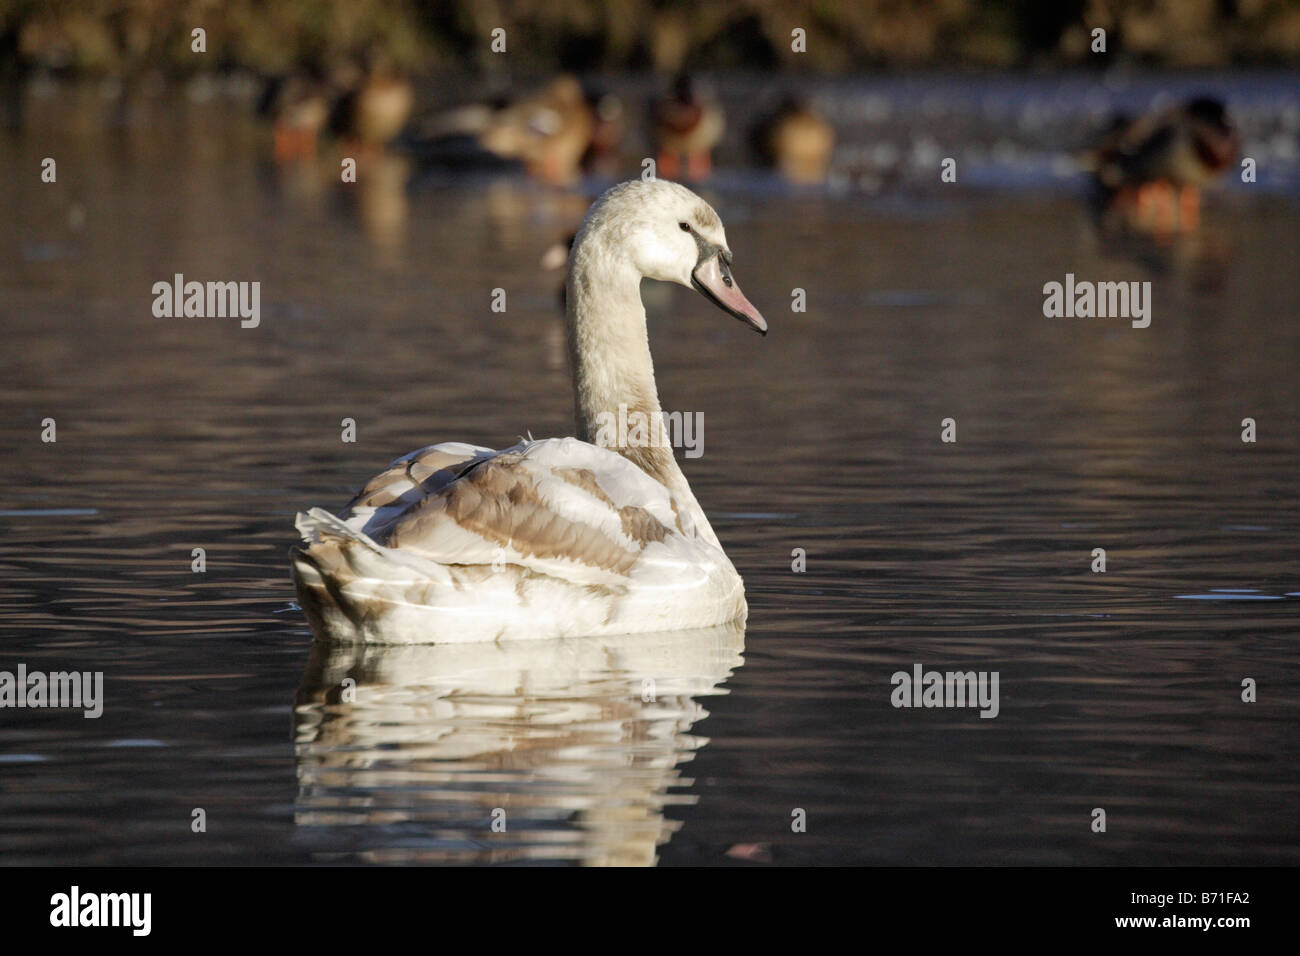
(408, 753)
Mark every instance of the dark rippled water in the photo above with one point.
(1118, 690)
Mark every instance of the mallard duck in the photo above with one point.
(298, 106)
(1153, 168)
(549, 131)
(689, 124)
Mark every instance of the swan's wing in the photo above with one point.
(559, 507)
(407, 481)
(547, 538)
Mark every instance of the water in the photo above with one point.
(1118, 690)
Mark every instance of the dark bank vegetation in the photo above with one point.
(124, 38)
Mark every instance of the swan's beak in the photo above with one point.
(713, 278)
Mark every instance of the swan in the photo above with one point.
(593, 535)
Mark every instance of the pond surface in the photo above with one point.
(1118, 690)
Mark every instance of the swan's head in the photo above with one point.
(669, 233)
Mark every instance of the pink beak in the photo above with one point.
(713, 278)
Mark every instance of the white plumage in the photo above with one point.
(555, 538)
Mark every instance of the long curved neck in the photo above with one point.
(616, 401)
(608, 345)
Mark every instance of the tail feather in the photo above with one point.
(318, 525)
(346, 581)
(336, 549)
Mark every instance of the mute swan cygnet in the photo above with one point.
(560, 537)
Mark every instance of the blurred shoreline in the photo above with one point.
(125, 39)
(1010, 131)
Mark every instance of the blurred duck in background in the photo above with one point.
(549, 131)
(687, 123)
(1150, 171)
(554, 133)
(375, 106)
(298, 107)
(453, 137)
(795, 140)
(609, 126)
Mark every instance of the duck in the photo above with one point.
(590, 535)
(686, 123)
(453, 138)
(298, 106)
(556, 257)
(609, 126)
(549, 131)
(555, 134)
(1153, 169)
(375, 108)
(796, 141)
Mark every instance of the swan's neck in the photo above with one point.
(613, 374)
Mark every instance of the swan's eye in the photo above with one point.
(685, 227)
